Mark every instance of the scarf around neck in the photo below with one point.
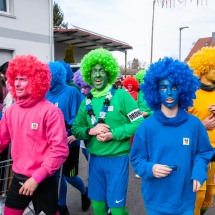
(104, 92)
(26, 103)
(208, 88)
(176, 121)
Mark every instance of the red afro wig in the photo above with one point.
(38, 75)
(133, 81)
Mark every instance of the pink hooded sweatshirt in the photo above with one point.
(37, 132)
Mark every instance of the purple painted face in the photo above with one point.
(169, 93)
(85, 90)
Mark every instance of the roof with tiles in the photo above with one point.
(202, 42)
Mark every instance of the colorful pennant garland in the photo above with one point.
(171, 3)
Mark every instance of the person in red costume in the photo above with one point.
(132, 86)
(36, 130)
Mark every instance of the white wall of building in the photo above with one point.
(27, 29)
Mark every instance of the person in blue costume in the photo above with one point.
(69, 72)
(68, 99)
(85, 88)
(171, 148)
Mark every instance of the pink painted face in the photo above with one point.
(21, 87)
(130, 88)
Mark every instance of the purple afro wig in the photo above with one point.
(78, 80)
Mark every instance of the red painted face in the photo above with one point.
(21, 87)
(130, 87)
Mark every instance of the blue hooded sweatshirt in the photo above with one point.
(65, 97)
(181, 141)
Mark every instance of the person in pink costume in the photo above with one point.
(36, 130)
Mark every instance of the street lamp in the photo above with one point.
(181, 28)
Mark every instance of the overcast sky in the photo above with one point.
(131, 22)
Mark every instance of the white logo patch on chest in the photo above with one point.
(34, 126)
(110, 108)
(186, 141)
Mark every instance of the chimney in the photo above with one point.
(213, 36)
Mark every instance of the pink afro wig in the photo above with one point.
(131, 80)
(38, 75)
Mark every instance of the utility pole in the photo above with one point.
(152, 30)
(125, 63)
(181, 28)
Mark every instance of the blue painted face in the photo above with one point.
(169, 93)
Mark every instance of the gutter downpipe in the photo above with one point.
(51, 39)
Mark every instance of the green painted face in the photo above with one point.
(99, 77)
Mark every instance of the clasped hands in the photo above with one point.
(161, 171)
(102, 132)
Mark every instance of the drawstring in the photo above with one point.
(210, 166)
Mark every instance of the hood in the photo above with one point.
(179, 119)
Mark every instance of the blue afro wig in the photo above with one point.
(69, 73)
(58, 73)
(174, 71)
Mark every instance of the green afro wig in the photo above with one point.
(140, 75)
(203, 61)
(103, 57)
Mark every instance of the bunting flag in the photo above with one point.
(171, 3)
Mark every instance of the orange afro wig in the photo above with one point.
(203, 61)
(38, 75)
(131, 80)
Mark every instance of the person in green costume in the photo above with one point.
(107, 118)
(141, 102)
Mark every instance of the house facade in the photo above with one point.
(202, 42)
(26, 27)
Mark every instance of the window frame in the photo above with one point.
(8, 8)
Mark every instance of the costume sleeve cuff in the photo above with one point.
(69, 132)
(149, 170)
(198, 178)
(40, 175)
